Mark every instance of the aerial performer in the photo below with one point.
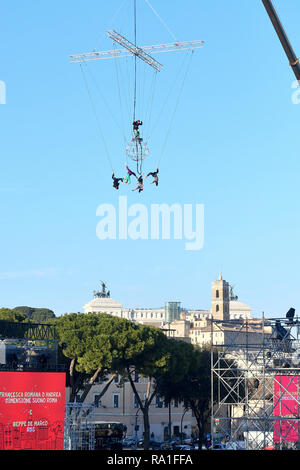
(136, 125)
(136, 145)
(116, 181)
(154, 176)
(140, 185)
(128, 175)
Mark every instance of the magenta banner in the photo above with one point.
(286, 405)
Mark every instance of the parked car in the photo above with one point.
(188, 441)
(183, 447)
(154, 445)
(129, 442)
(235, 445)
(166, 445)
(140, 443)
(218, 447)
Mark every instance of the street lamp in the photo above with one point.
(181, 423)
(136, 425)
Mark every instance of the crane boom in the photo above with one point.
(126, 51)
(293, 60)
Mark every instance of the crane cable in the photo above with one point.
(121, 107)
(160, 114)
(119, 125)
(148, 111)
(97, 118)
(162, 21)
(119, 95)
(175, 108)
(134, 99)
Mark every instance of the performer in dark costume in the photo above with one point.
(136, 125)
(154, 175)
(116, 181)
(140, 185)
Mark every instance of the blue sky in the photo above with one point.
(233, 147)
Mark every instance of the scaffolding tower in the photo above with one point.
(79, 426)
(255, 383)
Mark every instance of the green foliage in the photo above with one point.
(192, 386)
(98, 343)
(12, 315)
(36, 315)
(178, 361)
(100, 340)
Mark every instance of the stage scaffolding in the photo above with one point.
(79, 427)
(255, 384)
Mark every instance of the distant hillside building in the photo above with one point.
(190, 325)
(151, 316)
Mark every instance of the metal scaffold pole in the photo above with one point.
(257, 371)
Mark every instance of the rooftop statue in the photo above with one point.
(103, 294)
(232, 296)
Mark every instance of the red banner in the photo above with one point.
(32, 410)
(286, 405)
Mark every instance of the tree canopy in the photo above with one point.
(12, 316)
(36, 315)
(99, 345)
(193, 387)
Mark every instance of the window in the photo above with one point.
(217, 308)
(158, 403)
(217, 294)
(97, 401)
(116, 398)
(117, 379)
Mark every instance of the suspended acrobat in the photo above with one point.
(136, 131)
(137, 147)
(116, 181)
(140, 185)
(127, 179)
(154, 175)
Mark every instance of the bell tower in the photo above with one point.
(220, 299)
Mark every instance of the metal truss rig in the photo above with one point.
(79, 427)
(255, 383)
(129, 49)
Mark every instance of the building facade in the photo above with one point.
(194, 326)
(119, 404)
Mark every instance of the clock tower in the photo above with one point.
(220, 299)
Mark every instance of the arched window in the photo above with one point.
(217, 308)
